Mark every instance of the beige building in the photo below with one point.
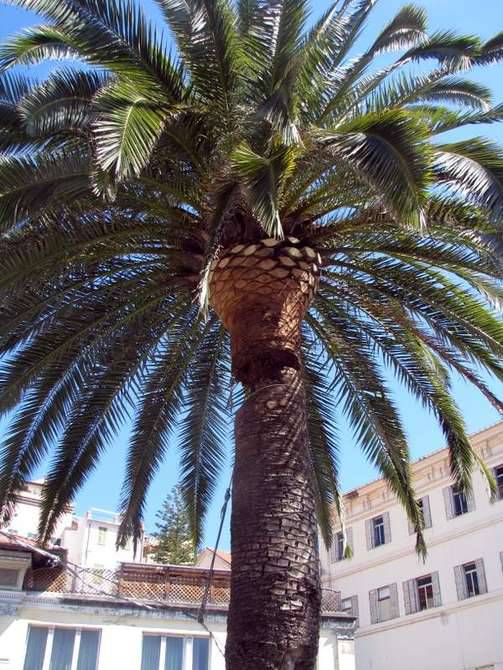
(446, 613)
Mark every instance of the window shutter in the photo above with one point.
(437, 596)
(374, 615)
(369, 533)
(338, 601)
(470, 502)
(448, 502)
(354, 606)
(349, 540)
(459, 576)
(387, 527)
(427, 512)
(408, 598)
(481, 574)
(395, 607)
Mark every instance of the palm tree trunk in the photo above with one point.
(274, 612)
(275, 593)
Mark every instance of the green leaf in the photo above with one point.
(386, 151)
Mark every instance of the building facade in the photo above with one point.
(54, 616)
(90, 540)
(442, 614)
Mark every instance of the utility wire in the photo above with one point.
(204, 601)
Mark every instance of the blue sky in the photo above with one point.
(484, 18)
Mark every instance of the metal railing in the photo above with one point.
(169, 585)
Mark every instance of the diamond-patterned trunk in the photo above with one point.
(261, 292)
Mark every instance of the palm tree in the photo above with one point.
(252, 219)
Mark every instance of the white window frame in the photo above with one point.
(188, 641)
(76, 644)
(429, 600)
(378, 530)
(463, 502)
(469, 571)
(102, 535)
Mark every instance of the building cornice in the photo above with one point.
(429, 472)
(12, 603)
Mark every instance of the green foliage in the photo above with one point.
(174, 543)
(122, 180)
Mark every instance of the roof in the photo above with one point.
(224, 555)
(41, 556)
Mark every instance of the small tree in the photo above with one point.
(175, 541)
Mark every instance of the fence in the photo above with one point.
(169, 585)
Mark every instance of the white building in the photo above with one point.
(24, 520)
(90, 540)
(446, 613)
(137, 617)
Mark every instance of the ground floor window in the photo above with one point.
(167, 652)
(52, 648)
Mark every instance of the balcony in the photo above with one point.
(145, 584)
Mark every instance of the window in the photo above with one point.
(346, 605)
(460, 503)
(337, 552)
(338, 548)
(13, 566)
(422, 593)
(166, 652)
(498, 476)
(425, 592)
(102, 535)
(378, 528)
(350, 606)
(8, 578)
(61, 648)
(470, 579)
(457, 502)
(378, 531)
(384, 603)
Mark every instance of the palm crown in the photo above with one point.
(120, 186)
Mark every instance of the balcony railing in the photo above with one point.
(146, 584)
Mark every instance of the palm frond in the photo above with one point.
(473, 169)
(204, 427)
(385, 150)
